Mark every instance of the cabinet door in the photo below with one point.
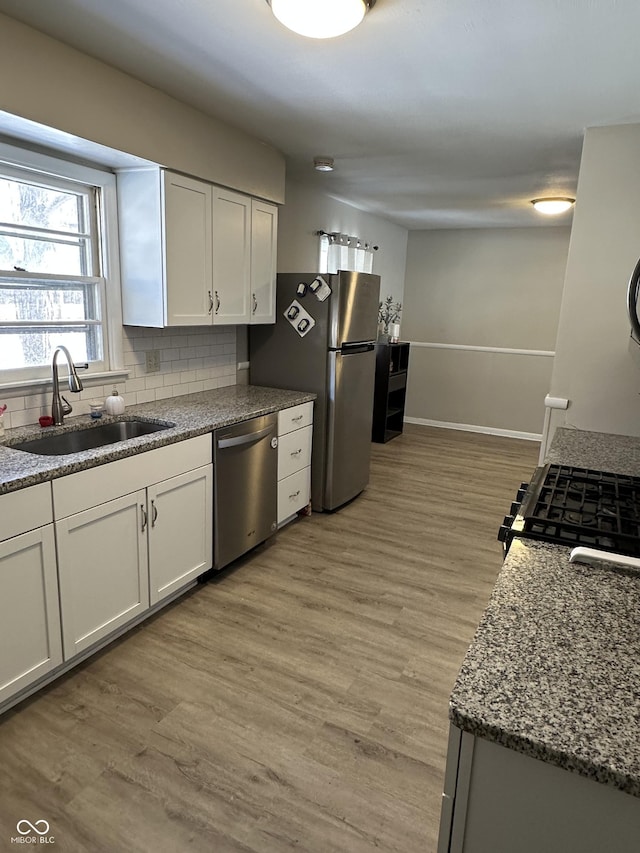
(231, 256)
(264, 240)
(180, 531)
(187, 239)
(102, 568)
(30, 643)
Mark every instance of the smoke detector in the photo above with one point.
(323, 164)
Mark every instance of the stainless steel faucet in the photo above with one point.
(58, 408)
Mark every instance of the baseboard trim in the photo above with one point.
(505, 433)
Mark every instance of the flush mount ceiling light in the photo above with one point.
(323, 164)
(552, 206)
(320, 19)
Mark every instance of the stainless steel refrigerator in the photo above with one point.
(323, 342)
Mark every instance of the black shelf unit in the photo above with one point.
(392, 364)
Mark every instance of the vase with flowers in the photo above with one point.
(388, 315)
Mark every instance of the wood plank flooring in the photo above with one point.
(297, 701)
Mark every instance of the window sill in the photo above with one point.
(22, 388)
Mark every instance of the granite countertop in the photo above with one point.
(191, 415)
(600, 451)
(554, 668)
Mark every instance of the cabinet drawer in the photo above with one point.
(294, 452)
(293, 493)
(96, 486)
(294, 418)
(25, 510)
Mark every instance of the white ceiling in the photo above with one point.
(439, 113)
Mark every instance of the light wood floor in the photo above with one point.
(299, 701)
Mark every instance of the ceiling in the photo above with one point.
(438, 113)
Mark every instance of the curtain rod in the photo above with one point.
(336, 236)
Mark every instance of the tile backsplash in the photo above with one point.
(191, 359)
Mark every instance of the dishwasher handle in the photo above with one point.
(245, 438)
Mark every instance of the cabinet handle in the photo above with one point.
(298, 418)
(255, 303)
(294, 495)
(217, 302)
(144, 518)
(296, 452)
(210, 302)
(154, 516)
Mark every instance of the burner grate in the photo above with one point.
(578, 506)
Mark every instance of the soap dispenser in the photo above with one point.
(114, 404)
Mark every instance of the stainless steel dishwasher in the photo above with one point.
(246, 487)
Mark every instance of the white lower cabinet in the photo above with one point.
(497, 800)
(121, 557)
(102, 556)
(30, 645)
(294, 460)
(180, 531)
(149, 538)
(293, 494)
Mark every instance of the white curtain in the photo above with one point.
(344, 252)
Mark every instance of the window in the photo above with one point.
(55, 251)
(343, 252)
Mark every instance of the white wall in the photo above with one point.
(499, 289)
(594, 367)
(307, 211)
(53, 85)
(47, 82)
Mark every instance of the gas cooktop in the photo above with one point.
(577, 506)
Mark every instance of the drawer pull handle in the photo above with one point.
(294, 495)
(297, 418)
(296, 452)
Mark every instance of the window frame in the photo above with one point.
(15, 162)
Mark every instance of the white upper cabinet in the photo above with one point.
(231, 257)
(194, 254)
(264, 240)
(188, 250)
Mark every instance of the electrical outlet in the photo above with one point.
(152, 360)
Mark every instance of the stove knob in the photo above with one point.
(522, 491)
(515, 506)
(508, 520)
(503, 532)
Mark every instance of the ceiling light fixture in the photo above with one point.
(323, 164)
(320, 19)
(552, 206)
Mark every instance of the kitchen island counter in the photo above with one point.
(190, 415)
(554, 668)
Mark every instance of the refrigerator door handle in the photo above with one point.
(353, 349)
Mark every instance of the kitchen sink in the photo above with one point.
(89, 438)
